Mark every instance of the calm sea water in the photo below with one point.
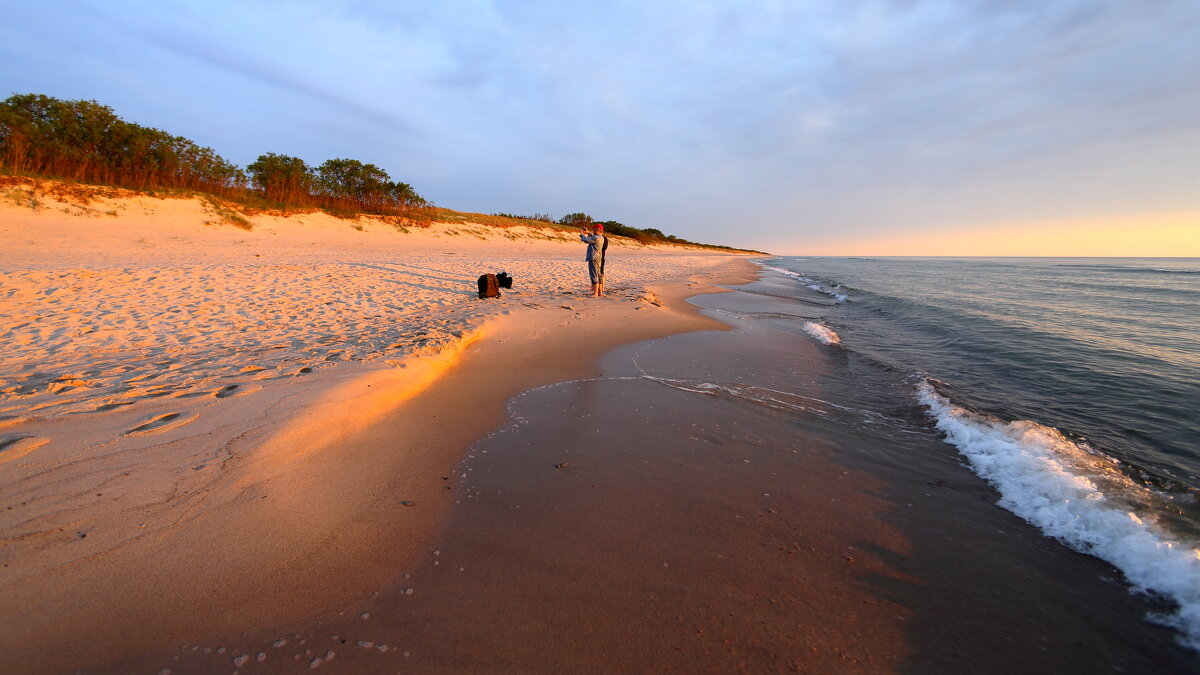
(1072, 385)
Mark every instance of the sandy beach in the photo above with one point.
(889, 361)
(203, 425)
(310, 446)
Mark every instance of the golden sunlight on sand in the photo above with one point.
(195, 416)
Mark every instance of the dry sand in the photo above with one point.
(205, 430)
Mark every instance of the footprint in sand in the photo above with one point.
(230, 390)
(113, 406)
(14, 446)
(161, 423)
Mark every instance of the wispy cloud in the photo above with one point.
(177, 33)
(804, 119)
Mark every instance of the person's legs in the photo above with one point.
(594, 275)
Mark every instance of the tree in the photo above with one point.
(283, 179)
(349, 179)
(620, 229)
(576, 219)
(349, 182)
(403, 194)
(87, 141)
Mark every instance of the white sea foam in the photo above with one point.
(811, 283)
(773, 398)
(1075, 495)
(822, 333)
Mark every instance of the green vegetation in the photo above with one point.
(574, 221)
(281, 179)
(226, 214)
(648, 235)
(501, 220)
(340, 186)
(86, 142)
(22, 197)
(540, 217)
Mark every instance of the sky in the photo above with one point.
(846, 127)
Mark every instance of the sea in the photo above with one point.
(1071, 385)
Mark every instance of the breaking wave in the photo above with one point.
(834, 291)
(822, 333)
(1080, 497)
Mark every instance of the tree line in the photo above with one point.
(85, 141)
(339, 184)
(646, 235)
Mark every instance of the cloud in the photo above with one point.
(177, 34)
(800, 118)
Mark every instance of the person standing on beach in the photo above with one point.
(597, 245)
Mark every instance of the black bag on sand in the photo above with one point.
(504, 280)
(488, 287)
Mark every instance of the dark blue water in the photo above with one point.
(1103, 349)
(1071, 384)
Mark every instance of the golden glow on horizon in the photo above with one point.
(1142, 235)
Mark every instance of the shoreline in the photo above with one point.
(374, 471)
(313, 490)
(636, 518)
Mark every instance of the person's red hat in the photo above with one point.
(599, 226)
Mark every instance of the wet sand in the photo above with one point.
(638, 520)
